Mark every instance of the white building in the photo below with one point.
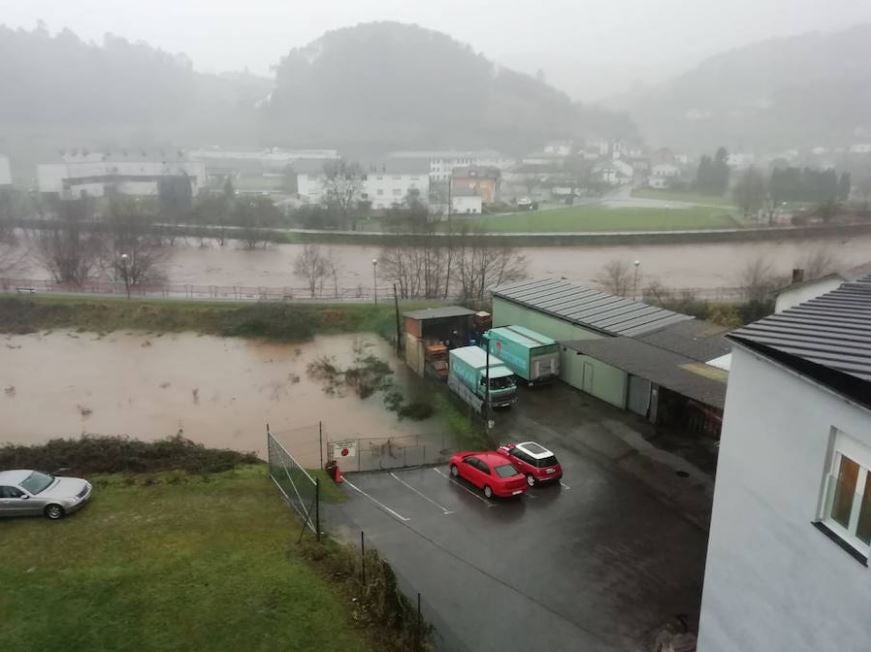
(5, 171)
(442, 162)
(383, 188)
(97, 175)
(614, 173)
(787, 565)
(662, 175)
(466, 203)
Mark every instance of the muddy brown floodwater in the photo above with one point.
(674, 265)
(220, 392)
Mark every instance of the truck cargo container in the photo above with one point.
(531, 356)
(468, 370)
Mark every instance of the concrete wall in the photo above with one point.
(609, 383)
(791, 297)
(773, 582)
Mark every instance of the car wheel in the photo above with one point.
(54, 512)
(530, 480)
(455, 471)
(488, 491)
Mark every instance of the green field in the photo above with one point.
(171, 562)
(598, 218)
(689, 197)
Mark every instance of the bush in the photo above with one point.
(93, 454)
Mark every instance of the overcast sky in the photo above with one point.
(589, 48)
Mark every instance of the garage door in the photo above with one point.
(639, 395)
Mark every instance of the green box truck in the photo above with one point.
(468, 373)
(530, 355)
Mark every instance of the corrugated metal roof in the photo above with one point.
(697, 339)
(439, 313)
(589, 308)
(667, 368)
(832, 330)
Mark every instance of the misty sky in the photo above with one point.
(591, 49)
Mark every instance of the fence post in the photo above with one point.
(359, 451)
(321, 441)
(419, 625)
(318, 509)
(362, 563)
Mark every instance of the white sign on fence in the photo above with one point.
(347, 448)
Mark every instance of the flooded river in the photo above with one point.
(675, 265)
(220, 392)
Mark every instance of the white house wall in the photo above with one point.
(773, 582)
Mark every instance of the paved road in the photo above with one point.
(597, 563)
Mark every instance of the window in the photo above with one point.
(10, 492)
(397, 192)
(380, 192)
(847, 502)
(505, 470)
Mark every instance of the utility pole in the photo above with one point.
(398, 330)
(486, 337)
(637, 263)
(375, 280)
(124, 258)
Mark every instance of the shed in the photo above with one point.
(448, 326)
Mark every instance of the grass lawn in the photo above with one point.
(182, 564)
(689, 197)
(598, 218)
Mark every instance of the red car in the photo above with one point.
(490, 472)
(533, 460)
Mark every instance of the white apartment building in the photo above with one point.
(384, 189)
(787, 565)
(443, 162)
(662, 174)
(96, 175)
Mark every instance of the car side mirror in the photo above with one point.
(25, 497)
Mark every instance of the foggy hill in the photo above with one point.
(62, 92)
(392, 85)
(807, 90)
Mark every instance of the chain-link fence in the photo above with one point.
(299, 488)
(382, 453)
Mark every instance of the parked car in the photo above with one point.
(490, 472)
(533, 460)
(26, 493)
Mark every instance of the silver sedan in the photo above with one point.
(25, 493)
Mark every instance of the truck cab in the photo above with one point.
(503, 389)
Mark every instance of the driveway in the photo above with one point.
(598, 562)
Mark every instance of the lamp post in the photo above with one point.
(486, 337)
(125, 274)
(637, 264)
(375, 279)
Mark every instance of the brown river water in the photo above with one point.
(674, 265)
(217, 391)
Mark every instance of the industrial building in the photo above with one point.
(654, 362)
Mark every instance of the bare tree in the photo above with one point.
(818, 262)
(750, 191)
(481, 266)
(343, 188)
(863, 185)
(758, 280)
(617, 277)
(314, 266)
(66, 248)
(255, 216)
(133, 250)
(10, 253)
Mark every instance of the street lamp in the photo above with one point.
(486, 337)
(375, 279)
(125, 274)
(637, 264)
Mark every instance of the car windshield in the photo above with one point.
(505, 471)
(545, 462)
(36, 482)
(501, 383)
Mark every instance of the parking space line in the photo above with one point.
(444, 509)
(465, 488)
(380, 504)
(528, 494)
(564, 485)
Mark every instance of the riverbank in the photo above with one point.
(279, 322)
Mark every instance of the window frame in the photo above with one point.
(845, 446)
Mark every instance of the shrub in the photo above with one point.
(92, 454)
